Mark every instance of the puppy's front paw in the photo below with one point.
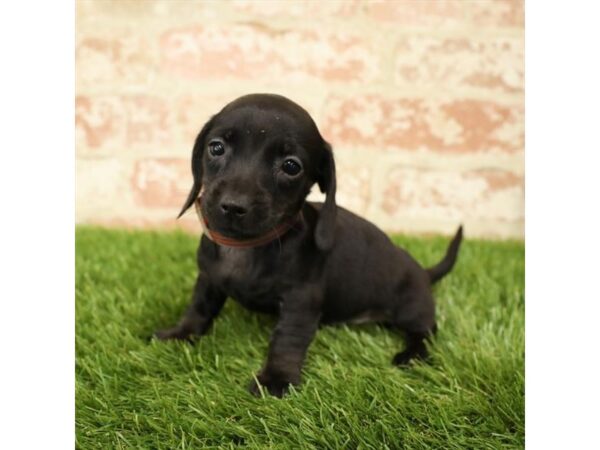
(274, 384)
(175, 333)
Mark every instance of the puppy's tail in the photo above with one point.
(445, 265)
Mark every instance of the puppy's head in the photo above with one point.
(256, 161)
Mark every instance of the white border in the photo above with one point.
(37, 239)
(562, 224)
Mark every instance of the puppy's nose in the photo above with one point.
(234, 208)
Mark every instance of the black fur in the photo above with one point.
(332, 267)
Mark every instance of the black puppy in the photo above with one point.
(253, 165)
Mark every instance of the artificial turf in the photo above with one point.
(132, 393)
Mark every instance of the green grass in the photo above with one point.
(134, 394)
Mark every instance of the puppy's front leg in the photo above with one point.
(207, 302)
(295, 329)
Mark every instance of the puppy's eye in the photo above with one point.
(216, 148)
(291, 167)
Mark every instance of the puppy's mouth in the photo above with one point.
(234, 229)
(251, 226)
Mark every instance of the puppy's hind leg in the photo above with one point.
(417, 320)
(415, 348)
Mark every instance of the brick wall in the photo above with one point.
(423, 102)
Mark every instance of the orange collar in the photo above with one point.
(220, 239)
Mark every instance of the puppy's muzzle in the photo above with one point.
(234, 208)
(274, 233)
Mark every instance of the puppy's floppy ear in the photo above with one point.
(197, 154)
(325, 229)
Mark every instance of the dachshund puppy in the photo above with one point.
(264, 245)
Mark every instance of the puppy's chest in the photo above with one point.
(250, 280)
